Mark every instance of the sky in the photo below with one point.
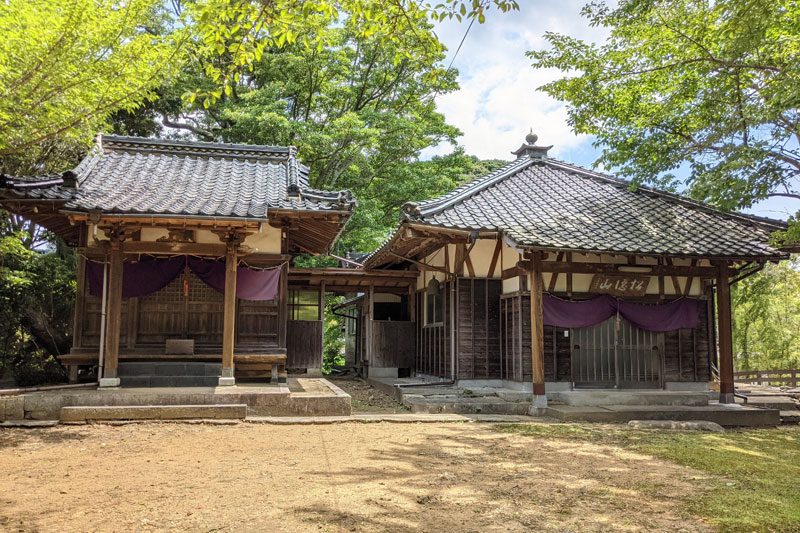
(498, 102)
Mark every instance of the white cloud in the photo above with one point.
(498, 102)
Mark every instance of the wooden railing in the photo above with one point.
(769, 377)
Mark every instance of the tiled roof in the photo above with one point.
(132, 175)
(548, 204)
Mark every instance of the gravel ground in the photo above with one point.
(345, 477)
(366, 399)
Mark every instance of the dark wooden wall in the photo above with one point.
(433, 342)
(478, 328)
(147, 322)
(687, 352)
(304, 344)
(515, 353)
(393, 344)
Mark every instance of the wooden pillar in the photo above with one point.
(725, 336)
(113, 316)
(229, 317)
(283, 306)
(537, 332)
(80, 298)
(369, 310)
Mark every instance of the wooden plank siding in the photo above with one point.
(304, 344)
(516, 345)
(147, 322)
(687, 352)
(433, 341)
(393, 344)
(478, 328)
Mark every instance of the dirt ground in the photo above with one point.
(364, 398)
(344, 477)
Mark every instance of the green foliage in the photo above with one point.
(333, 352)
(766, 318)
(707, 86)
(65, 66)
(37, 294)
(754, 480)
(234, 36)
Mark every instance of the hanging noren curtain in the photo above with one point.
(151, 275)
(682, 313)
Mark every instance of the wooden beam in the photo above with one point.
(689, 279)
(569, 275)
(512, 272)
(113, 311)
(607, 268)
(229, 312)
(420, 263)
(498, 249)
(283, 305)
(537, 330)
(554, 275)
(726, 388)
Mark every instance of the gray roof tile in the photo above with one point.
(549, 204)
(127, 175)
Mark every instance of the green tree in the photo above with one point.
(65, 66)
(708, 87)
(766, 318)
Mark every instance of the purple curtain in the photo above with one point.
(250, 284)
(582, 314)
(683, 313)
(138, 279)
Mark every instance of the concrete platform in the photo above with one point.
(300, 397)
(730, 416)
(152, 412)
(630, 397)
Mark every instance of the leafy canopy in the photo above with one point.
(65, 66)
(708, 87)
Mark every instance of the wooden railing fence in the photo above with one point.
(790, 378)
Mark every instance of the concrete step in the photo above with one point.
(463, 405)
(622, 397)
(169, 368)
(722, 415)
(152, 412)
(790, 417)
(782, 403)
(169, 381)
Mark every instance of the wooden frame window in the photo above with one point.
(303, 305)
(434, 308)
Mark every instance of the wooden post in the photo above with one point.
(229, 317)
(113, 316)
(283, 306)
(370, 308)
(725, 336)
(537, 333)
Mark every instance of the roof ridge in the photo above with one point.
(466, 190)
(653, 191)
(125, 142)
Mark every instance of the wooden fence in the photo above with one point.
(768, 377)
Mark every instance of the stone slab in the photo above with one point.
(464, 405)
(623, 397)
(695, 425)
(783, 403)
(152, 412)
(790, 417)
(12, 408)
(28, 423)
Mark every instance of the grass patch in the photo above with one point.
(756, 484)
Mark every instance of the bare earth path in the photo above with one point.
(345, 477)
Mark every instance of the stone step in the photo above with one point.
(633, 398)
(169, 368)
(722, 415)
(152, 412)
(782, 403)
(790, 417)
(462, 405)
(169, 381)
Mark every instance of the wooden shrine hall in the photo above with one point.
(184, 254)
